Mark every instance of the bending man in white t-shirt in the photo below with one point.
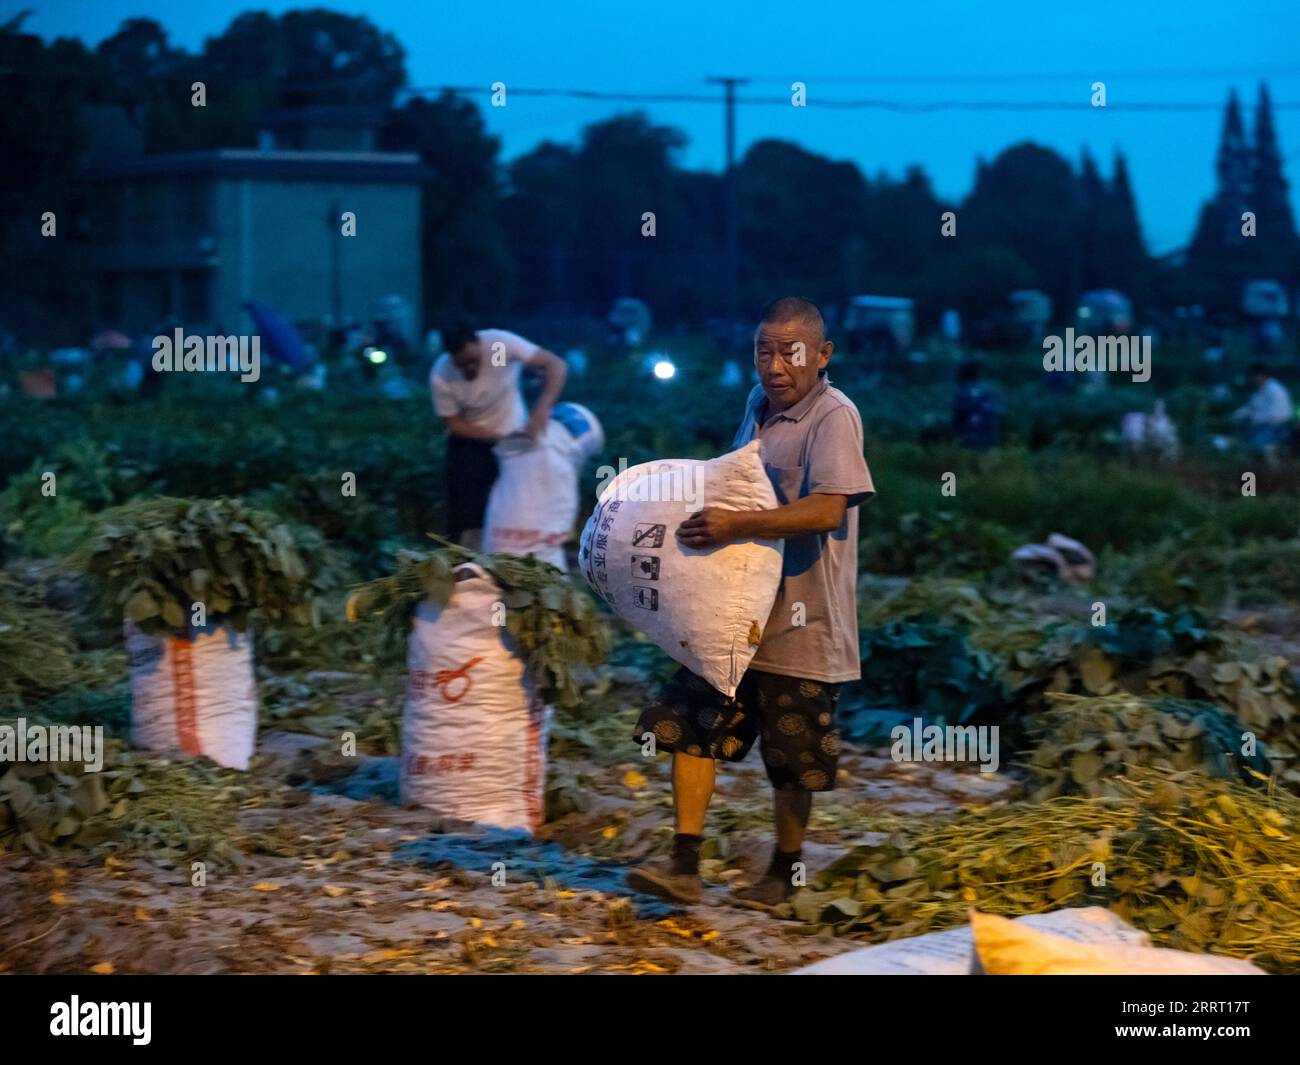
(1267, 414)
(476, 393)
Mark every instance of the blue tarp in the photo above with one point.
(279, 337)
(526, 858)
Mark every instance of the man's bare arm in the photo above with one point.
(713, 526)
(554, 370)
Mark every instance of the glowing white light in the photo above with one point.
(376, 355)
(664, 369)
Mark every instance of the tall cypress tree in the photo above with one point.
(1218, 257)
(1112, 254)
(1235, 170)
(1093, 268)
(1275, 246)
(1126, 232)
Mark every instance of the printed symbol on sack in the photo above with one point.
(647, 535)
(645, 598)
(446, 680)
(646, 567)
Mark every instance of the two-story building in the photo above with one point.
(191, 236)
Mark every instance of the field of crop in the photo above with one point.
(1122, 741)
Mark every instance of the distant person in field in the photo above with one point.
(976, 417)
(476, 393)
(811, 437)
(1267, 414)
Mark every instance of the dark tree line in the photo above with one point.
(561, 228)
(1250, 181)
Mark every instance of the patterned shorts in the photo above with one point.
(794, 719)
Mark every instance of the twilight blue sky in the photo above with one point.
(914, 52)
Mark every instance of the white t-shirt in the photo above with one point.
(1270, 405)
(492, 400)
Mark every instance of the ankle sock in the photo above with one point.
(782, 866)
(686, 853)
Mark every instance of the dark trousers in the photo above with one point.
(471, 472)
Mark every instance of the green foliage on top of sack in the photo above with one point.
(153, 559)
(558, 627)
(1081, 744)
(36, 647)
(921, 664)
(1200, 864)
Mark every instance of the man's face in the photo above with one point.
(468, 359)
(788, 355)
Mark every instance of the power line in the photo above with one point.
(1087, 77)
(842, 104)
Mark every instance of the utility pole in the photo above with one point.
(732, 209)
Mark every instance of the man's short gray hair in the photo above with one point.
(794, 309)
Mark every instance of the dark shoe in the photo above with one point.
(763, 894)
(663, 880)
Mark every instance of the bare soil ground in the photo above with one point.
(340, 885)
